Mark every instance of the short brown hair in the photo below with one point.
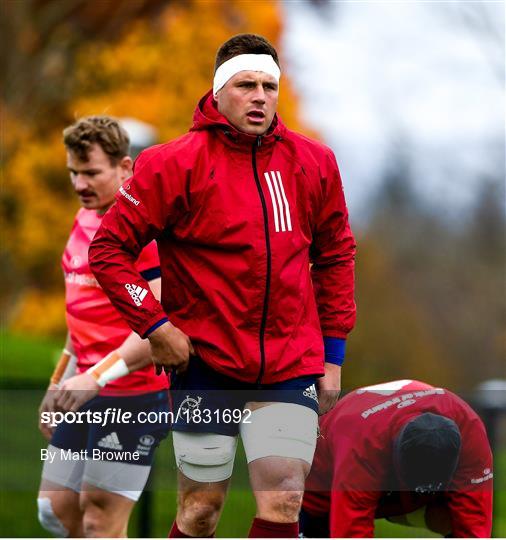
(244, 44)
(102, 130)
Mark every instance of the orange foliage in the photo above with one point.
(156, 72)
(39, 312)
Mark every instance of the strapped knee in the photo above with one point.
(49, 520)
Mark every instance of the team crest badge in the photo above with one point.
(189, 406)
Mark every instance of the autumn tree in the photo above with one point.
(145, 59)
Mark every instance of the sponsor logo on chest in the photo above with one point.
(128, 196)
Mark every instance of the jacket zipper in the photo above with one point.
(263, 322)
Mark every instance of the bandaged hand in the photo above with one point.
(78, 390)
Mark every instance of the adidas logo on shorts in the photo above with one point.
(310, 392)
(136, 292)
(110, 441)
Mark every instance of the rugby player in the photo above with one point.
(94, 497)
(405, 451)
(240, 207)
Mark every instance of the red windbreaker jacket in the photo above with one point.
(351, 475)
(238, 219)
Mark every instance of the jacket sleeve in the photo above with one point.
(352, 514)
(146, 206)
(357, 477)
(470, 496)
(356, 490)
(148, 262)
(471, 514)
(333, 256)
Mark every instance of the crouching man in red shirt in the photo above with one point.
(404, 451)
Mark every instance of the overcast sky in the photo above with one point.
(426, 76)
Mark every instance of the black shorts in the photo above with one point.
(117, 440)
(205, 401)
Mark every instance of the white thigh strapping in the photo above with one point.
(126, 479)
(204, 457)
(281, 429)
(64, 472)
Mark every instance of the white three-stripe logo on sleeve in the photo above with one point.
(280, 206)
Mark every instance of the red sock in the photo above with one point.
(262, 528)
(176, 533)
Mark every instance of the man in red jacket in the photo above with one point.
(405, 451)
(257, 261)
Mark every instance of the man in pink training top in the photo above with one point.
(94, 472)
(404, 451)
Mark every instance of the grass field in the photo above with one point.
(25, 367)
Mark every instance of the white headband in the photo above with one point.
(244, 62)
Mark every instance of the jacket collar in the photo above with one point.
(207, 117)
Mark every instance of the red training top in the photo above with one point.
(353, 461)
(95, 326)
